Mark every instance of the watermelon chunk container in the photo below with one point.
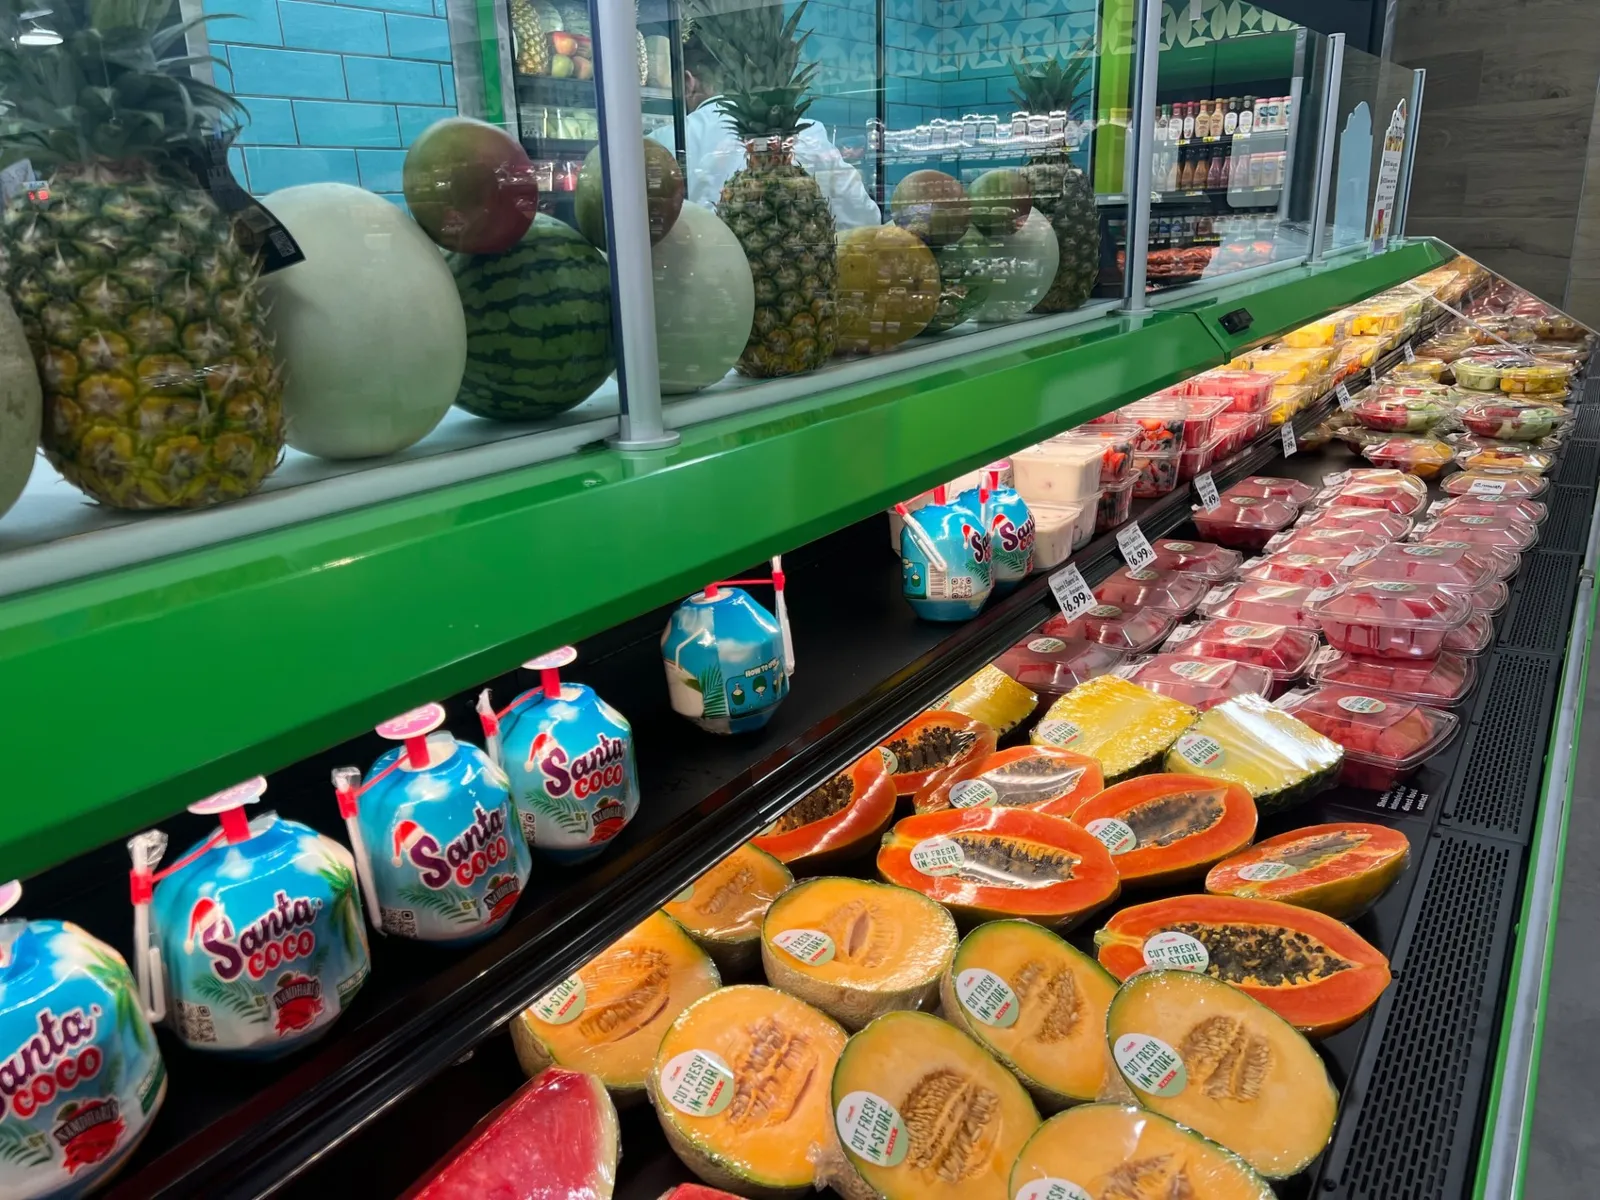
(252, 943)
(1272, 487)
(1201, 683)
(1212, 563)
(1394, 620)
(1244, 522)
(1497, 532)
(569, 758)
(437, 842)
(1385, 739)
(1283, 651)
(1152, 587)
(1391, 527)
(87, 1078)
(1050, 665)
(1442, 682)
(1313, 568)
(1527, 512)
(1296, 540)
(1257, 603)
(1129, 630)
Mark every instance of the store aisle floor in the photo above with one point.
(1564, 1153)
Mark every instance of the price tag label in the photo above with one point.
(1346, 400)
(1410, 354)
(1289, 444)
(1071, 592)
(1206, 488)
(1136, 551)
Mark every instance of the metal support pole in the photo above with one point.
(633, 300)
(1325, 145)
(1140, 171)
(1408, 161)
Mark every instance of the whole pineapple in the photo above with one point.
(141, 306)
(1060, 190)
(528, 30)
(772, 205)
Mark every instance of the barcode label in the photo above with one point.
(1206, 488)
(1136, 551)
(1071, 592)
(938, 583)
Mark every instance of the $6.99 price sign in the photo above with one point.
(1071, 592)
(1136, 551)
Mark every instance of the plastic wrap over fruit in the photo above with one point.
(1123, 726)
(1247, 741)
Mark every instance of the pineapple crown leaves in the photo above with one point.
(765, 84)
(1058, 85)
(109, 91)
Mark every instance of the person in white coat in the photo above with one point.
(715, 151)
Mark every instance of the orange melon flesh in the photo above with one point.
(1037, 1004)
(1205, 1055)
(856, 949)
(1122, 1151)
(1341, 870)
(951, 1122)
(740, 1084)
(724, 908)
(609, 1018)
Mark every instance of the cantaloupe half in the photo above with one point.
(740, 1084)
(723, 909)
(1037, 1004)
(609, 1018)
(1202, 1053)
(1118, 1150)
(924, 1113)
(855, 949)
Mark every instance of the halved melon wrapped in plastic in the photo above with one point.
(1280, 761)
(608, 1018)
(856, 949)
(1129, 1153)
(723, 909)
(836, 822)
(1167, 828)
(1035, 1003)
(1207, 1056)
(739, 1085)
(1040, 778)
(1340, 869)
(1126, 728)
(1314, 972)
(993, 697)
(985, 863)
(924, 1113)
(932, 742)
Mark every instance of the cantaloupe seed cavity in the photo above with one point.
(1049, 999)
(774, 1068)
(625, 993)
(952, 1122)
(1159, 1177)
(1225, 1059)
(1264, 955)
(1163, 820)
(737, 880)
(861, 933)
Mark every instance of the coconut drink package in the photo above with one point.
(1010, 526)
(253, 942)
(569, 757)
(82, 1077)
(437, 842)
(945, 555)
(728, 660)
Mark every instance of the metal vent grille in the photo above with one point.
(1496, 787)
(1567, 527)
(1413, 1137)
(1587, 427)
(1591, 389)
(1579, 464)
(1545, 588)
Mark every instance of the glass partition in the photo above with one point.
(1238, 115)
(1373, 124)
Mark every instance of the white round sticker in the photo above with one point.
(1198, 750)
(870, 1127)
(684, 896)
(1143, 576)
(972, 793)
(1149, 1064)
(891, 764)
(988, 997)
(1177, 951)
(697, 1082)
(1362, 704)
(1116, 836)
(810, 946)
(1197, 671)
(938, 856)
(1261, 872)
(1052, 1189)
(562, 1003)
(1047, 645)
(1058, 732)
(1108, 612)
(1178, 547)
(1245, 631)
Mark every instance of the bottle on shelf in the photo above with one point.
(1247, 116)
(1189, 116)
(1230, 120)
(1214, 171)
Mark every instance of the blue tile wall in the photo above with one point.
(332, 27)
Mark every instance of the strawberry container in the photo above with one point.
(1442, 682)
(1390, 619)
(1051, 666)
(1114, 507)
(1211, 563)
(1284, 651)
(1424, 457)
(1496, 532)
(1129, 630)
(1385, 739)
(1262, 604)
(1244, 522)
(1116, 449)
(1155, 474)
(1152, 587)
(1158, 425)
(1528, 512)
(1197, 682)
(1496, 481)
(1270, 487)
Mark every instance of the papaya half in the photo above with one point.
(986, 863)
(932, 742)
(1167, 828)
(1313, 971)
(1041, 778)
(1341, 869)
(841, 820)
(723, 909)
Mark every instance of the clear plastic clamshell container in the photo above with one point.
(1390, 526)
(1424, 457)
(1385, 739)
(1496, 532)
(1259, 603)
(1500, 456)
(1496, 481)
(1529, 512)
(1152, 587)
(1455, 565)
(1391, 619)
(1236, 430)
(1158, 424)
(1441, 682)
(1057, 472)
(1200, 426)
(1400, 498)
(1401, 410)
(1198, 682)
(1247, 391)
(1511, 419)
(1244, 522)
(1116, 449)
(1473, 637)
(1270, 487)
(1114, 507)
(1209, 562)
(1130, 630)
(1296, 540)
(1050, 665)
(1284, 651)
(1297, 567)
(1155, 474)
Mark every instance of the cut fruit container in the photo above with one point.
(1158, 424)
(1496, 481)
(1424, 457)
(1397, 498)
(1200, 423)
(1391, 620)
(1209, 562)
(1385, 739)
(1324, 541)
(1057, 472)
(1511, 420)
(1271, 487)
(1390, 526)
(1247, 391)
(1050, 665)
(1155, 474)
(1059, 529)
(1455, 565)
(1284, 651)
(1473, 637)
(1529, 512)
(1500, 457)
(1536, 378)
(1243, 522)
(1441, 682)
(1236, 430)
(1152, 587)
(1115, 506)
(1496, 532)
(1396, 411)
(1116, 449)
(1257, 603)
(1192, 462)
(1301, 568)
(1480, 368)
(1130, 630)
(1199, 682)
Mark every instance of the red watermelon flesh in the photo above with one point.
(556, 1139)
(697, 1191)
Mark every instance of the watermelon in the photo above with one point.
(538, 324)
(696, 1191)
(557, 1137)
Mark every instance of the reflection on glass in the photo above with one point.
(1374, 122)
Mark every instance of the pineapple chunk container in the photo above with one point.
(1124, 727)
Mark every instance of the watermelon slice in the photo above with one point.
(556, 1139)
(696, 1191)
